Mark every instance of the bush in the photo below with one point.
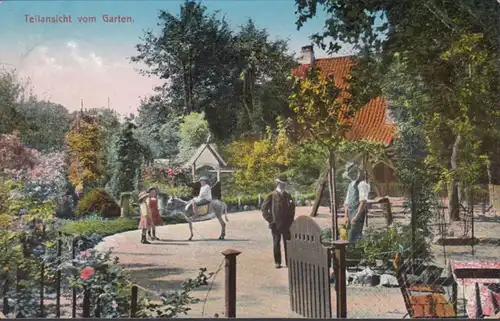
(382, 244)
(100, 227)
(97, 200)
(253, 200)
(175, 218)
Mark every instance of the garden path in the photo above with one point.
(262, 290)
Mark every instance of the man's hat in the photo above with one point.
(282, 179)
(143, 195)
(203, 178)
(152, 188)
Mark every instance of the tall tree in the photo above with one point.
(84, 142)
(46, 124)
(193, 132)
(126, 161)
(324, 116)
(158, 127)
(12, 93)
(185, 52)
(264, 67)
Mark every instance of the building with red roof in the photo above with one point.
(372, 123)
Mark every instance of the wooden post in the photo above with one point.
(333, 196)
(5, 309)
(340, 277)
(218, 174)
(86, 303)
(58, 277)
(42, 279)
(133, 301)
(230, 256)
(73, 301)
(454, 289)
(319, 193)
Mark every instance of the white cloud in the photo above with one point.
(71, 44)
(68, 71)
(95, 58)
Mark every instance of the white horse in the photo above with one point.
(216, 207)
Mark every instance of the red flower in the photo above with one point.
(86, 273)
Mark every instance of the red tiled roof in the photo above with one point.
(369, 123)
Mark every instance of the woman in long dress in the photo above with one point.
(155, 212)
(146, 221)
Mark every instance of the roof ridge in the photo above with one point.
(337, 57)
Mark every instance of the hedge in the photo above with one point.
(107, 227)
(253, 200)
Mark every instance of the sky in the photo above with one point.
(70, 61)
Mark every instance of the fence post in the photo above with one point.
(58, 277)
(230, 256)
(5, 309)
(73, 301)
(42, 278)
(133, 301)
(340, 277)
(86, 303)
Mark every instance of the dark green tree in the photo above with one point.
(128, 157)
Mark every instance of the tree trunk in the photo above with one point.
(319, 192)
(454, 197)
(333, 196)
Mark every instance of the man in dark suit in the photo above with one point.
(279, 211)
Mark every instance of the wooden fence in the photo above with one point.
(230, 270)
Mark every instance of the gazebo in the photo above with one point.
(207, 156)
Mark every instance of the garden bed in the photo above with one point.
(458, 241)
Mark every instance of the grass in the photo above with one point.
(106, 227)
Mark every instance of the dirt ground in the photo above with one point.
(262, 290)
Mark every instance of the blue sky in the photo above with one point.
(66, 62)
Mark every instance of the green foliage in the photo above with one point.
(259, 161)
(193, 132)
(102, 227)
(319, 110)
(377, 242)
(237, 78)
(158, 128)
(46, 125)
(455, 69)
(407, 95)
(97, 200)
(85, 142)
(174, 304)
(382, 244)
(309, 161)
(127, 161)
(253, 199)
(12, 93)
(100, 273)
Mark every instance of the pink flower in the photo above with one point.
(87, 272)
(87, 253)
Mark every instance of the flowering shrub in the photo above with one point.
(100, 274)
(14, 156)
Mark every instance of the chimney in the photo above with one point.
(306, 56)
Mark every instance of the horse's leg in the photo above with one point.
(225, 211)
(218, 214)
(190, 223)
(190, 229)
